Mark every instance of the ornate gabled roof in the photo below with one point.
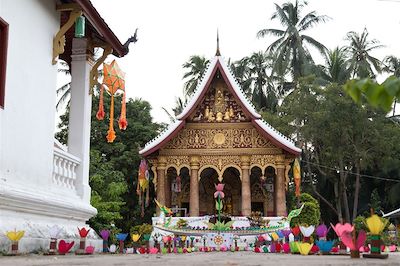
(218, 64)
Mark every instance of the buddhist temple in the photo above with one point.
(219, 137)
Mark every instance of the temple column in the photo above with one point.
(280, 193)
(246, 190)
(80, 114)
(194, 186)
(161, 165)
(167, 190)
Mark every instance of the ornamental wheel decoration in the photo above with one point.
(218, 240)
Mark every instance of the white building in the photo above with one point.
(43, 183)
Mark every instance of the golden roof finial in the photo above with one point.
(218, 53)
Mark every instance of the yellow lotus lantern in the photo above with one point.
(15, 235)
(304, 248)
(135, 237)
(375, 224)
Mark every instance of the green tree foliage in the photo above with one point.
(310, 215)
(113, 166)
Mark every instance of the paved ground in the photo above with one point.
(215, 258)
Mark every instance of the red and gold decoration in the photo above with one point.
(113, 80)
(297, 176)
(143, 184)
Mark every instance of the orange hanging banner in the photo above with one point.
(297, 176)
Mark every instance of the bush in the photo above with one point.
(310, 215)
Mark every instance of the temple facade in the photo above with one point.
(220, 138)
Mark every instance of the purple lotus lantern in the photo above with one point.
(321, 231)
(105, 234)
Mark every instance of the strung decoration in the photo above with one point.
(143, 184)
(297, 177)
(113, 80)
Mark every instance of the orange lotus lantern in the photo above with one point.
(113, 80)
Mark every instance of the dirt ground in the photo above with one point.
(193, 259)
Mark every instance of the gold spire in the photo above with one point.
(218, 53)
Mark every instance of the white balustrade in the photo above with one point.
(64, 169)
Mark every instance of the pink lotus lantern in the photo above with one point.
(64, 247)
(354, 244)
(219, 192)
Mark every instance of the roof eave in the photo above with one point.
(97, 21)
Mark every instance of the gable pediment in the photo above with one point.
(218, 105)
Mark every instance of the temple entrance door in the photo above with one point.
(232, 191)
(208, 179)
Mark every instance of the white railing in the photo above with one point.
(64, 169)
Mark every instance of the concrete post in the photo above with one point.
(80, 114)
(194, 186)
(246, 190)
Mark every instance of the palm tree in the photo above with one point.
(180, 103)
(337, 68)
(290, 47)
(252, 74)
(196, 66)
(64, 92)
(363, 65)
(392, 65)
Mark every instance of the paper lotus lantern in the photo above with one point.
(293, 247)
(15, 235)
(113, 248)
(341, 228)
(375, 224)
(135, 237)
(64, 247)
(304, 248)
(83, 232)
(153, 250)
(105, 234)
(219, 192)
(89, 250)
(324, 245)
(274, 236)
(286, 247)
(130, 250)
(347, 239)
(322, 230)
(314, 249)
(296, 231)
(307, 231)
(121, 238)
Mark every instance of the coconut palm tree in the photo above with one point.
(362, 64)
(180, 103)
(392, 65)
(337, 66)
(257, 84)
(290, 48)
(196, 66)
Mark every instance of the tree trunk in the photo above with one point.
(357, 190)
(338, 201)
(315, 189)
(344, 191)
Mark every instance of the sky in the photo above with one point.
(169, 32)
